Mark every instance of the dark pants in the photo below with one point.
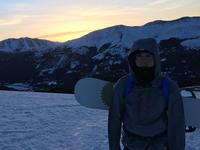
(157, 141)
(164, 148)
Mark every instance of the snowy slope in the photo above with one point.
(25, 44)
(183, 28)
(46, 121)
(195, 43)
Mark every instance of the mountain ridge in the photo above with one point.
(119, 31)
(100, 54)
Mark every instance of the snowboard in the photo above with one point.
(97, 94)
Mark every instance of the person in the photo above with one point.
(144, 119)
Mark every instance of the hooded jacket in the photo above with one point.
(148, 122)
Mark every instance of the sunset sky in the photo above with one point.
(62, 20)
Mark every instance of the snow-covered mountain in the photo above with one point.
(101, 54)
(184, 28)
(25, 44)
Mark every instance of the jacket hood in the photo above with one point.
(150, 45)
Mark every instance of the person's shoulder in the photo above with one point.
(172, 82)
(173, 85)
(121, 82)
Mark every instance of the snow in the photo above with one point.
(19, 86)
(163, 59)
(98, 38)
(56, 64)
(52, 83)
(186, 93)
(197, 94)
(27, 44)
(81, 50)
(113, 51)
(94, 69)
(47, 70)
(120, 35)
(195, 43)
(74, 64)
(99, 56)
(49, 121)
(183, 29)
(61, 63)
(118, 62)
(44, 121)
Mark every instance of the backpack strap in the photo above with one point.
(128, 87)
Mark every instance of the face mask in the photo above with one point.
(144, 75)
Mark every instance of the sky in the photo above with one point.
(63, 20)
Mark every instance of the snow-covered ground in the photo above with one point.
(46, 121)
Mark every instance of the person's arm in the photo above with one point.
(176, 120)
(114, 120)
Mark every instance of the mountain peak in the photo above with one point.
(179, 20)
(24, 44)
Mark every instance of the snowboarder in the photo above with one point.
(143, 116)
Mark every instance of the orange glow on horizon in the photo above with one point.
(65, 36)
(80, 29)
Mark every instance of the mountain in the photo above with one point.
(184, 28)
(25, 44)
(51, 66)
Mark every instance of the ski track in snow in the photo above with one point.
(48, 121)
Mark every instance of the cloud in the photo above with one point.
(22, 6)
(12, 20)
(167, 5)
(175, 6)
(111, 11)
(63, 34)
(158, 2)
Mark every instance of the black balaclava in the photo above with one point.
(144, 75)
